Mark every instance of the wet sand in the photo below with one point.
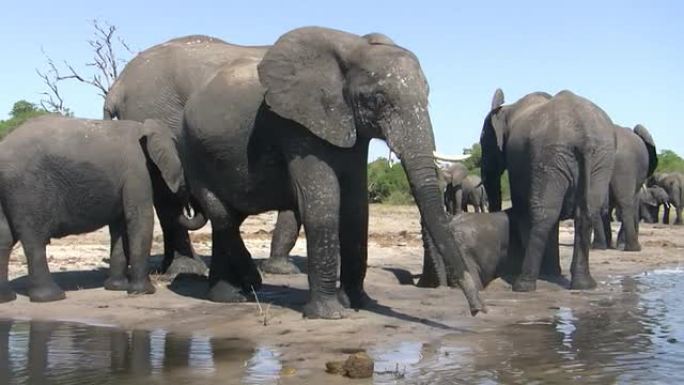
(403, 312)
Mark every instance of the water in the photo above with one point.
(633, 336)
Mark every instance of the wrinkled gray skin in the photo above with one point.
(650, 200)
(454, 177)
(559, 152)
(635, 160)
(287, 127)
(489, 242)
(62, 176)
(474, 194)
(156, 84)
(673, 183)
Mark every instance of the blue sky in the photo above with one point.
(626, 56)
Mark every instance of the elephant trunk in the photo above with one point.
(416, 154)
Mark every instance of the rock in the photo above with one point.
(359, 365)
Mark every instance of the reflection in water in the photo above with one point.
(40, 352)
(635, 336)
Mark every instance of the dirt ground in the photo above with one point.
(403, 311)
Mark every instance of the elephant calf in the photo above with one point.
(650, 200)
(490, 245)
(62, 176)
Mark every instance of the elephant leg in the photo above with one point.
(179, 255)
(318, 194)
(678, 218)
(629, 229)
(666, 215)
(434, 272)
(6, 244)
(354, 235)
(458, 201)
(550, 266)
(118, 260)
(42, 288)
(284, 238)
(546, 201)
(232, 270)
(600, 234)
(139, 222)
(40, 333)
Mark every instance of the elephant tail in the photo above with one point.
(646, 137)
(110, 109)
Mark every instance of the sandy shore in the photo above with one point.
(403, 313)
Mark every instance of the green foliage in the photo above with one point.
(474, 163)
(388, 183)
(669, 161)
(21, 112)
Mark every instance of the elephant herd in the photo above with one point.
(232, 131)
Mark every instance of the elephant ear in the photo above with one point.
(161, 150)
(376, 38)
(643, 133)
(497, 99)
(303, 73)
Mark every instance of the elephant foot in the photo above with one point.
(142, 287)
(6, 293)
(116, 283)
(325, 307)
(599, 246)
(279, 265)
(46, 293)
(632, 247)
(224, 292)
(678, 222)
(584, 282)
(354, 299)
(186, 265)
(524, 285)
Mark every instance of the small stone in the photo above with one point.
(288, 371)
(359, 365)
(334, 367)
(672, 340)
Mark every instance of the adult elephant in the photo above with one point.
(635, 160)
(559, 152)
(474, 194)
(156, 84)
(287, 127)
(650, 200)
(673, 183)
(452, 178)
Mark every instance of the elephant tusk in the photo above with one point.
(450, 158)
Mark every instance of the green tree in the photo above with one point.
(21, 112)
(669, 161)
(387, 183)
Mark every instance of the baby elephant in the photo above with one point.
(489, 243)
(62, 176)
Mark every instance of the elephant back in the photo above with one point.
(646, 137)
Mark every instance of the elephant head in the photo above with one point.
(342, 87)
(160, 149)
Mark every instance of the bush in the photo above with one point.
(669, 161)
(21, 112)
(385, 180)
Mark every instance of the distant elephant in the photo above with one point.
(650, 200)
(474, 194)
(559, 152)
(490, 244)
(156, 84)
(453, 178)
(287, 127)
(62, 176)
(635, 160)
(673, 183)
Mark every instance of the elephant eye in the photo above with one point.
(379, 99)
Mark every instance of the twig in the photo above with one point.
(261, 310)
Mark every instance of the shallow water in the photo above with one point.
(633, 336)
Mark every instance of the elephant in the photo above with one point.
(287, 127)
(474, 194)
(61, 176)
(156, 84)
(559, 152)
(452, 178)
(635, 160)
(673, 183)
(650, 200)
(490, 245)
